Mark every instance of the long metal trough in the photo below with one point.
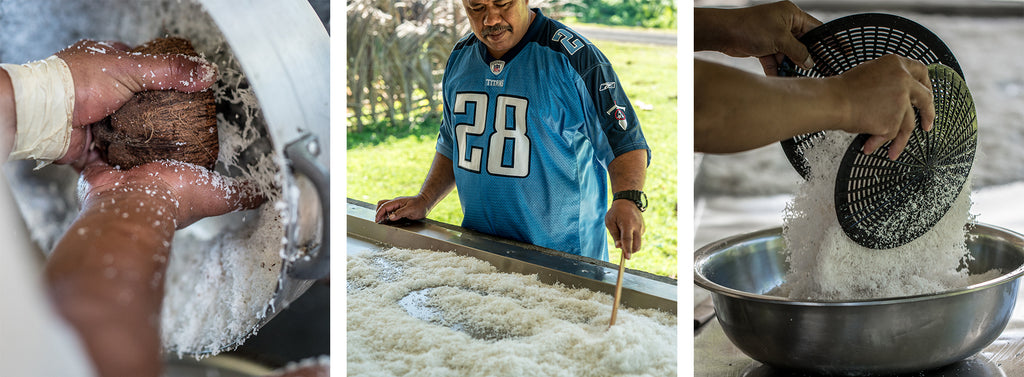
(639, 289)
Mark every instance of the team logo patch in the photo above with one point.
(497, 66)
(619, 113)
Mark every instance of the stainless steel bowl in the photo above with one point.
(885, 336)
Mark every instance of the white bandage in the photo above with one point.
(44, 99)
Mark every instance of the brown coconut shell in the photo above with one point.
(163, 124)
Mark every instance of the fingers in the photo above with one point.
(625, 224)
(245, 195)
(628, 240)
(404, 210)
(613, 229)
(922, 98)
(873, 142)
(900, 142)
(921, 94)
(796, 52)
(147, 71)
(89, 158)
(384, 209)
(116, 45)
(804, 23)
(625, 243)
(909, 87)
(78, 147)
(171, 71)
(770, 64)
(397, 209)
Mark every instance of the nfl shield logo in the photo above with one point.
(497, 66)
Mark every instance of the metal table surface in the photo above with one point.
(639, 289)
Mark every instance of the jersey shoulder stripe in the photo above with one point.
(582, 55)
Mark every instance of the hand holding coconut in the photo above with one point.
(106, 273)
(192, 192)
(47, 107)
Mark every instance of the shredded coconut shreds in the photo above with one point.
(428, 313)
(218, 283)
(825, 265)
(224, 271)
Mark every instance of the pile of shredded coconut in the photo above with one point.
(428, 313)
(825, 265)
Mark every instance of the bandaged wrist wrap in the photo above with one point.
(44, 99)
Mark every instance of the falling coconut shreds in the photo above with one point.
(421, 312)
(218, 287)
(224, 271)
(826, 265)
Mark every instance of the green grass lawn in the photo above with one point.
(385, 163)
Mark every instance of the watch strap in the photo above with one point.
(636, 196)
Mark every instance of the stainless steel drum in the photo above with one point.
(283, 50)
(883, 336)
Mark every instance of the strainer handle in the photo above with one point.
(302, 155)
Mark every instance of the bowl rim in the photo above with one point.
(702, 255)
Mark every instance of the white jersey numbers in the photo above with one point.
(508, 146)
(519, 163)
(471, 162)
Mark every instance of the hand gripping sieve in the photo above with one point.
(883, 204)
(841, 44)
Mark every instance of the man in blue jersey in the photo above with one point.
(535, 123)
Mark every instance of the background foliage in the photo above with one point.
(660, 14)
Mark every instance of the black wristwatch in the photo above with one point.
(636, 196)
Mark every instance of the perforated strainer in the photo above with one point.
(881, 203)
(839, 45)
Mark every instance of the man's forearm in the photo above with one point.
(440, 181)
(736, 110)
(709, 34)
(106, 279)
(628, 171)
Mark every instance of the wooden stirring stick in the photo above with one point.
(618, 289)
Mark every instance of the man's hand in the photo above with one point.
(107, 272)
(405, 207)
(768, 32)
(190, 192)
(625, 223)
(439, 182)
(106, 76)
(880, 97)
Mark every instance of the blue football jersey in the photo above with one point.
(530, 136)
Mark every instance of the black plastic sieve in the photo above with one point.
(881, 203)
(843, 43)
